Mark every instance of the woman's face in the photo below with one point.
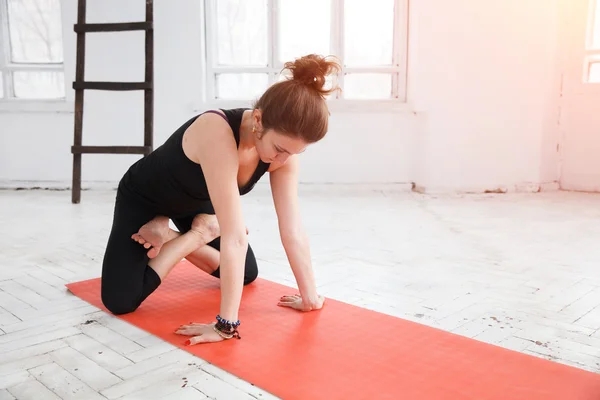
(274, 147)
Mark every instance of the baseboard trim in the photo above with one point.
(309, 187)
(55, 185)
(525, 187)
(264, 185)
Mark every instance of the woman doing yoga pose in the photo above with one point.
(196, 179)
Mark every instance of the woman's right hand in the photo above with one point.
(201, 333)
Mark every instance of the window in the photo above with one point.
(31, 52)
(248, 42)
(593, 44)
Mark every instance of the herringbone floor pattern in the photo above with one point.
(516, 270)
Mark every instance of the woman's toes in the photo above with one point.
(138, 238)
(153, 252)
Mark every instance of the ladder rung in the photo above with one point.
(112, 85)
(111, 149)
(114, 27)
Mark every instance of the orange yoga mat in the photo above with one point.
(344, 351)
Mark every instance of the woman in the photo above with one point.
(196, 178)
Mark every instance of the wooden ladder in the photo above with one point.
(80, 84)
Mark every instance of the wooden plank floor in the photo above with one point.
(516, 270)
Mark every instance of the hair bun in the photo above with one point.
(312, 70)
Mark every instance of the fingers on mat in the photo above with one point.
(195, 340)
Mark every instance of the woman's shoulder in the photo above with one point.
(208, 131)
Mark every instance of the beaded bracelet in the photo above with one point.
(227, 329)
(226, 322)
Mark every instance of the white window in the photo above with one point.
(248, 42)
(593, 44)
(31, 50)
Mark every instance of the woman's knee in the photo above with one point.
(250, 274)
(118, 304)
(251, 268)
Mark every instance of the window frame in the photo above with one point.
(592, 55)
(8, 101)
(398, 68)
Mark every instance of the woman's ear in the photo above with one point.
(257, 120)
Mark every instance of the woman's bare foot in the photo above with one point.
(207, 226)
(153, 235)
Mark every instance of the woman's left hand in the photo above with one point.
(298, 303)
(201, 333)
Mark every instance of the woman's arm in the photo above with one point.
(211, 143)
(284, 186)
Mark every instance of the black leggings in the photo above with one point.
(127, 280)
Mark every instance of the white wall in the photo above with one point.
(483, 87)
(483, 74)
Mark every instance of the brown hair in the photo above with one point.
(297, 106)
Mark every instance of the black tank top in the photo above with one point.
(171, 184)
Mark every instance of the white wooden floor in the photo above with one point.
(517, 270)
